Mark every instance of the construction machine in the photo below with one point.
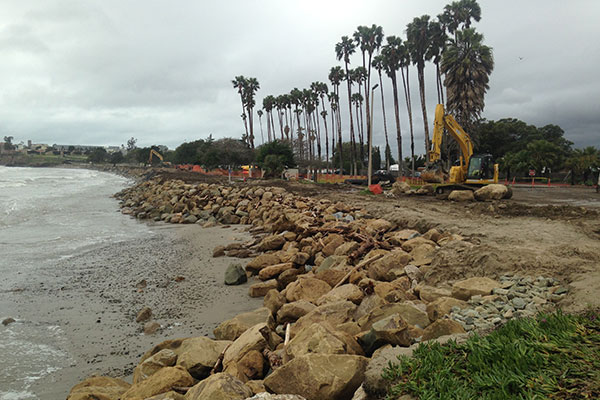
(470, 172)
(159, 156)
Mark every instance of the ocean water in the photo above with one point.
(46, 216)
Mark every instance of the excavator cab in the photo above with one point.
(482, 169)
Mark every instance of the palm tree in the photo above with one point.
(336, 76)
(467, 64)
(438, 44)
(239, 83)
(378, 64)
(344, 50)
(405, 70)
(369, 39)
(460, 12)
(280, 106)
(260, 114)
(268, 104)
(321, 89)
(359, 76)
(418, 34)
(392, 53)
(250, 90)
(295, 97)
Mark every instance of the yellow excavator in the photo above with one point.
(472, 170)
(159, 156)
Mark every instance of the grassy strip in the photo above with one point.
(552, 356)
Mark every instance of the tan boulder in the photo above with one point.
(348, 292)
(443, 306)
(170, 395)
(422, 254)
(430, 293)
(389, 267)
(323, 339)
(319, 376)
(198, 355)
(254, 338)
(467, 288)
(144, 315)
(397, 238)
(309, 289)
(273, 300)
(300, 258)
(290, 312)
(100, 388)
(346, 248)
(332, 242)
(491, 192)
(257, 386)
(461, 195)
(232, 328)
(399, 188)
(272, 242)
(262, 261)
(413, 243)
(368, 304)
(393, 330)
(221, 386)
(272, 271)
(335, 314)
(432, 234)
(160, 382)
(409, 312)
(442, 327)
(250, 366)
(332, 276)
(262, 288)
(164, 358)
(289, 276)
(375, 226)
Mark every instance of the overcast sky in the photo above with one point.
(99, 72)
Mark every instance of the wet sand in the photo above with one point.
(94, 299)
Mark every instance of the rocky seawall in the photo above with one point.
(343, 294)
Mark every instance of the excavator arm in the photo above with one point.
(156, 153)
(443, 121)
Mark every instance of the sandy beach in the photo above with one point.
(94, 298)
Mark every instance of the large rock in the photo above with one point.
(410, 313)
(332, 242)
(442, 327)
(232, 328)
(170, 395)
(323, 339)
(319, 376)
(399, 237)
(235, 275)
(348, 292)
(262, 261)
(461, 195)
(309, 289)
(198, 355)
(254, 338)
(392, 330)
(164, 358)
(335, 314)
(467, 288)
(399, 188)
(100, 388)
(389, 267)
(443, 306)
(160, 382)
(272, 271)
(491, 192)
(221, 386)
(290, 312)
(272, 242)
(418, 241)
(262, 288)
(273, 300)
(368, 304)
(375, 226)
(430, 293)
(375, 384)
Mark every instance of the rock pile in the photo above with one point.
(338, 285)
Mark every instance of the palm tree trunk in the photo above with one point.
(424, 109)
(280, 122)
(251, 122)
(387, 143)
(352, 141)
(397, 115)
(318, 125)
(272, 126)
(262, 136)
(406, 84)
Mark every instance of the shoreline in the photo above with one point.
(96, 301)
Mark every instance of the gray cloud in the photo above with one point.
(99, 72)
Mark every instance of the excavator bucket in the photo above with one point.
(433, 174)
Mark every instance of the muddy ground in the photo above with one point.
(549, 231)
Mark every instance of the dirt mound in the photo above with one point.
(515, 209)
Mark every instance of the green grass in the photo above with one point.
(552, 356)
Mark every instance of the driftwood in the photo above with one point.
(357, 267)
(218, 367)
(286, 341)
